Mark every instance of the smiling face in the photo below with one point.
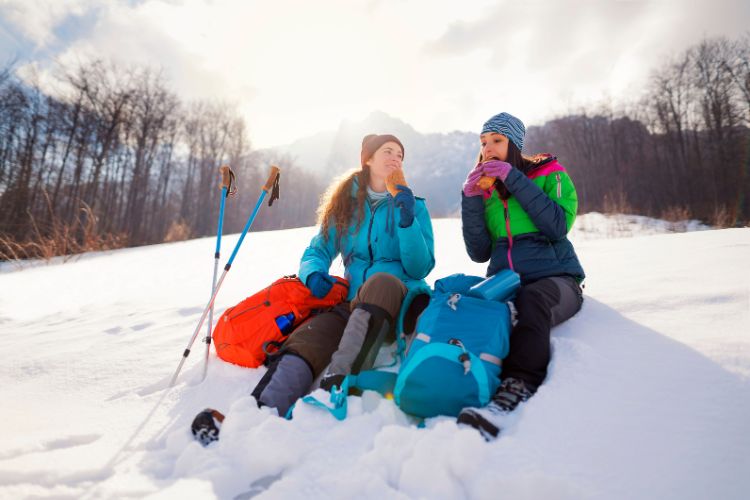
(387, 158)
(494, 146)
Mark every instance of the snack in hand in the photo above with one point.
(396, 178)
(486, 182)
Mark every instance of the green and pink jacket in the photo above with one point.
(528, 231)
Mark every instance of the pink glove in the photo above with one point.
(496, 168)
(470, 185)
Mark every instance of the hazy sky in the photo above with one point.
(294, 68)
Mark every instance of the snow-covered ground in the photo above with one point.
(595, 225)
(648, 394)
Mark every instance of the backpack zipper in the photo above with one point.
(233, 316)
(369, 240)
(510, 235)
(265, 303)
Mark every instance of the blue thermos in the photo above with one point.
(285, 322)
(501, 287)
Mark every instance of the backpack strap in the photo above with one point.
(369, 380)
(337, 398)
(380, 381)
(374, 380)
(421, 289)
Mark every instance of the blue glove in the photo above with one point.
(320, 283)
(405, 200)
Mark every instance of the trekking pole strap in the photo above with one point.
(226, 177)
(228, 181)
(275, 171)
(272, 184)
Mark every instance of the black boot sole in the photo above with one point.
(485, 428)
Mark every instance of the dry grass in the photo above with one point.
(178, 231)
(675, 214)
(616, 202)
(61, 239)
(678, 218)
(722, 216)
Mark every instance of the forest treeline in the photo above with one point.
(113, 157)
(117, 159)
(682, 150)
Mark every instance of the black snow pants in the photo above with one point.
(540, 305)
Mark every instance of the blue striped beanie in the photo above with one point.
(508, 125)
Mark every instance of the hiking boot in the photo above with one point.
(330, 381)
(487, 420)
(205, 428)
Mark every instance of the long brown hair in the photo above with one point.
(522, 162)
(337, 206)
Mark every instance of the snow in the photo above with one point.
(648, 393)
(594, 225)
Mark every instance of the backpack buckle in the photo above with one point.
(464, 357)
(453, 300)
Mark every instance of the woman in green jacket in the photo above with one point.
(516, 212)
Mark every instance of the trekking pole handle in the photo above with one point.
(271, 178)
(225, 176)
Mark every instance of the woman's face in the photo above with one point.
(386, 159)
(494, 146)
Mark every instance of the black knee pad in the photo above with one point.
(379, 328)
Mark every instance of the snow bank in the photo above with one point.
(648, 393)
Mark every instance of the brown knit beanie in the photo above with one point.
(373, 142)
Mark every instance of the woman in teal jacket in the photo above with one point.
(386, 243)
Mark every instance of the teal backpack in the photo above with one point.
(453, 359)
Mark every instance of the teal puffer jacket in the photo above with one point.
(378, 245)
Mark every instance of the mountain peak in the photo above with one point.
(377, 122)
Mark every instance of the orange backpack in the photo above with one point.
(242, 332)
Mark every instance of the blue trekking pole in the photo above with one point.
(228, 188)
(272, 185)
